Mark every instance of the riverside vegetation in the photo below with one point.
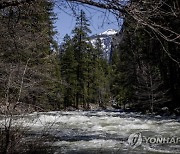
(36, 74)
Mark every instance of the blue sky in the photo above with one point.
(100, 20)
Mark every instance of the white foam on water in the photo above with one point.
(98, 123)
(158, 150)
(92, 144)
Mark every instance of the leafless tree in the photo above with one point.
(142, 11)
(149, 89)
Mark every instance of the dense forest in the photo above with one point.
(37, 74)
(80, 88)
(27, 65)
(147, 69)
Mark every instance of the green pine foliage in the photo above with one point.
(143, 73)
(29, 70)
(83, 68)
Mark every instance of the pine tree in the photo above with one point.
(100, 76)
(68, 71)
(81, 49)
(83, 68)
(29, 32)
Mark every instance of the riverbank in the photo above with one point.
(22, 108)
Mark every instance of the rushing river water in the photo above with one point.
(106, 132)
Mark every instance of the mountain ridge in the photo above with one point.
(106, 38)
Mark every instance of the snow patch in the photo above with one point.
(109, 32)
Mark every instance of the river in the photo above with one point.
(106, 132)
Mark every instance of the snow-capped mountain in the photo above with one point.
(106, 40)
(109, 32)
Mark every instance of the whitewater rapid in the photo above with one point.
(89, 132)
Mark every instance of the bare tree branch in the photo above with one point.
(106, 5)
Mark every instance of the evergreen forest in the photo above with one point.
(36, 73)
